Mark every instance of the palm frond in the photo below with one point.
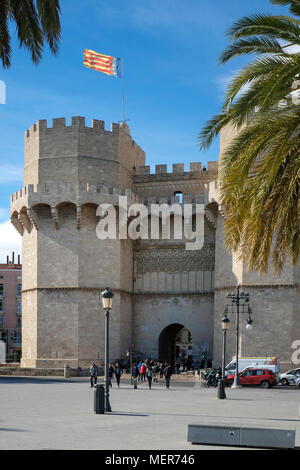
(211, 130)
(278, 27)
(253, 45)
(263, 67)
(5, 48)
(294, 5)
(48, 12)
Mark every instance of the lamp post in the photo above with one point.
(106, 297)
(130, 354)
(221, 383)
(240, 299)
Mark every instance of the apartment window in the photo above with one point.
(1, 306)
(19, 306)
(1, 322)
(19, 324)
(18, 337)
(1, 290)
(19, 290)
(179, 194)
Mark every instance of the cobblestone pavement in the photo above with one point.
(57, 413)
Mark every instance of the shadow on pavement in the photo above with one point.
(116, 413)
(14, 430)
(34, 380)
(224, 417)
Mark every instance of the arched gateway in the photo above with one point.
(174, 341)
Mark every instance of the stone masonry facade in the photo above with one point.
(158, 284)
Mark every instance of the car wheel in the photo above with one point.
(230, 383)
(284, 381)
(265, 384)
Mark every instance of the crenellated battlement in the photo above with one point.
(53, 195)
(67, 191)
(79, 122)
(178, 169)
(76, 122)
(70, 153)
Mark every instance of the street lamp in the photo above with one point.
(240, 299)
(130, 355)
(221, 383)
(106, 297)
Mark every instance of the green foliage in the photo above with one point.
(259, 175)
(36, 21)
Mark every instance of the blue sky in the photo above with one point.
(172, 80)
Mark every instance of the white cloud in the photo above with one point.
(10, 174)
(222, 82)
(294, 49)
(4, 213)
(10, 240)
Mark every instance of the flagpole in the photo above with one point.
(123, 99)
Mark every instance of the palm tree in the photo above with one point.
(259, 174)
(37, 21)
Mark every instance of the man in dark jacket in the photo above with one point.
(135, 374)
(93, 374)
(111, 371)
(167, 374)
(118, 373)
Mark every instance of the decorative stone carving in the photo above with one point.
(175, 260)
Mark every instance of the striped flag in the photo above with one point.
(102, 63)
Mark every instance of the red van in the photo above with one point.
(263, 377)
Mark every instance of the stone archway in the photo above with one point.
(169, 341)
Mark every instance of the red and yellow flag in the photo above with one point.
(102, 63)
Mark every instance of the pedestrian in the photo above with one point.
(156, 372)
(135, 374)
(167, 374)
(161, 371)
(118, 373)
(143, 372)
(149, 374)
(111, 371)
(139, 367)
(93, 374)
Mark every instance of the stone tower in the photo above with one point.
(69, 171)
(161, 289)
(274, 300)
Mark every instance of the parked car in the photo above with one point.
(297, 382)
(263, 377)
(273, 368)
(254, 362)
(289, 377)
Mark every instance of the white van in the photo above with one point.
(271, 363)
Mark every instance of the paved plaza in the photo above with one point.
(56, 413)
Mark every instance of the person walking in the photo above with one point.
(118, 373)
(139, 368)
(161, 371)
(93, 374)
(167, 374)
(111, 371)
(149, 374)
(143, 372)
(135, 374)
(156, 372)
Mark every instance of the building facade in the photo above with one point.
(159, 286)
(10, 308)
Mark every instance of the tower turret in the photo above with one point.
(69, 171)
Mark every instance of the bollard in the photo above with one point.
(67, 371)
(99, 399)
